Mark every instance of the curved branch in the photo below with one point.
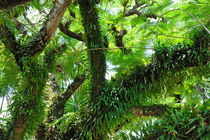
(59, 103)
(69, 33)
(10, 42)
(78, 36)
(135, 11)
(119, 39)
(57, 108)
(49, 28)
(188, 14)
(129, 87)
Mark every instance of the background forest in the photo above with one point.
(104, 69)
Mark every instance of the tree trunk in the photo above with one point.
(94, 41)
(19, 129)
(28, 106)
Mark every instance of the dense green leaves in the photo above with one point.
(173, 31)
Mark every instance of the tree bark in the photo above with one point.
(94, 40)
(126, 89)
(19, 131)
(153, 110)
(57, 110)
(35, 74)
(71, 34)
(51, 25)
(58, 105)
(119, 39)
(32, 93)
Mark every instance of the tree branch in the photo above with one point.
(8, 39)
(153, 110)
(169, 60)
(10, 42)
(49, 28)
(58, 105)
(52, 53)
(72, 87)
(119, 39)
(127, 88)
(77, 36)
(138, 13)
(4, 4)
(69, 33)
(144, 111)
(57, 109)
(135, 11)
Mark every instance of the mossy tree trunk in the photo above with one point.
(57, 111)
(94, 40)
(167, 68)
(27, 108)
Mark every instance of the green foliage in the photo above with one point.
(128, 89)
(71, 127)
(180, 124)
(9, 72)
(169, 33)
(190, 121)
(30, 94)
(185, 123)
(94, 40)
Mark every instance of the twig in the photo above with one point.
(2, 103)
(96, 49)
(188, 14)
(171, 35)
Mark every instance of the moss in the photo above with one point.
(29, 98)
(94, 40)
(30, 94)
